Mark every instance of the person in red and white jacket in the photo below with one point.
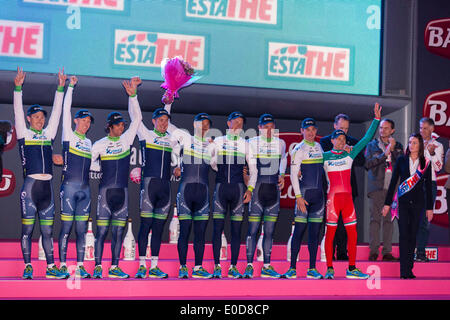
(434, 151)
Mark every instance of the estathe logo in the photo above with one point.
(117, 5)
(436, 107)
(148, 49)
(8, 183)
(256, 11)
(437, 37)
(21, 39)
(303, 61)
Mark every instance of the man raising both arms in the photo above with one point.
(35, 147)
(111, 156)
(75, 191)
(337, 165)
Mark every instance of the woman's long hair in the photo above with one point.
(421, 148)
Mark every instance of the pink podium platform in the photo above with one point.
(433, 278)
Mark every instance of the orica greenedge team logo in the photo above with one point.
(304, 61)
(148, 49)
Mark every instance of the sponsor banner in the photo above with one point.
(148, 49)
(117, 5)
(21, 39)
(432, 253)
(304, 61)
(437, 37)
(287, 198)
(436, 107)
(263, 12)
(440, 211)
(8, 183)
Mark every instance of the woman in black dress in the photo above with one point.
(413, 171)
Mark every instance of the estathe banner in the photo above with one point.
(321, 45)
(148, 49)
(21, 39)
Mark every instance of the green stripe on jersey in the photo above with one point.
(116, 157)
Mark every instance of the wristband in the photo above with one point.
(18, 88)
(60, 89)
(250, 188)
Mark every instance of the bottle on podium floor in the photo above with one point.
(289, 244)
(259, 247)
(223, 248)
(148, 252)
(41, 255)
(129, 244)
(174, 227)
(89, 243)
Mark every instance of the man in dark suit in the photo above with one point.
(342, 122)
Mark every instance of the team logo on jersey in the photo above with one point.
(148, 49)
(437, 37)
(116, 5)
(83, 147)
(263, 12)
(8, 183)
(304, 61)
(21, 39)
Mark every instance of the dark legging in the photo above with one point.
(313, 242)
(199, 240)
(157, 227)
(235, 239)
(253, 227)
(80, 231)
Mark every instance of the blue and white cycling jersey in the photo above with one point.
(76, 148)
(111, 155)
(35, 147)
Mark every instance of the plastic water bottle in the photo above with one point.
(174, 227)
(129, 244)
(259, 248)
(148, 252)
(89, 243)
(289, 244)
(41, 250)
(223, 248)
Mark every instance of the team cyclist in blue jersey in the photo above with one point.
(75, 191)
(230, 154)
(156, 147)
(111, 156)
(307, 158)
(193, 192)
(35, 147)
(269, 153)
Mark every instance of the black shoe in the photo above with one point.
(422, 258)
(390, 257)
(373, 257)
(412, 276)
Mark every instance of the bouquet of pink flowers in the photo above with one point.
(177, 74)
